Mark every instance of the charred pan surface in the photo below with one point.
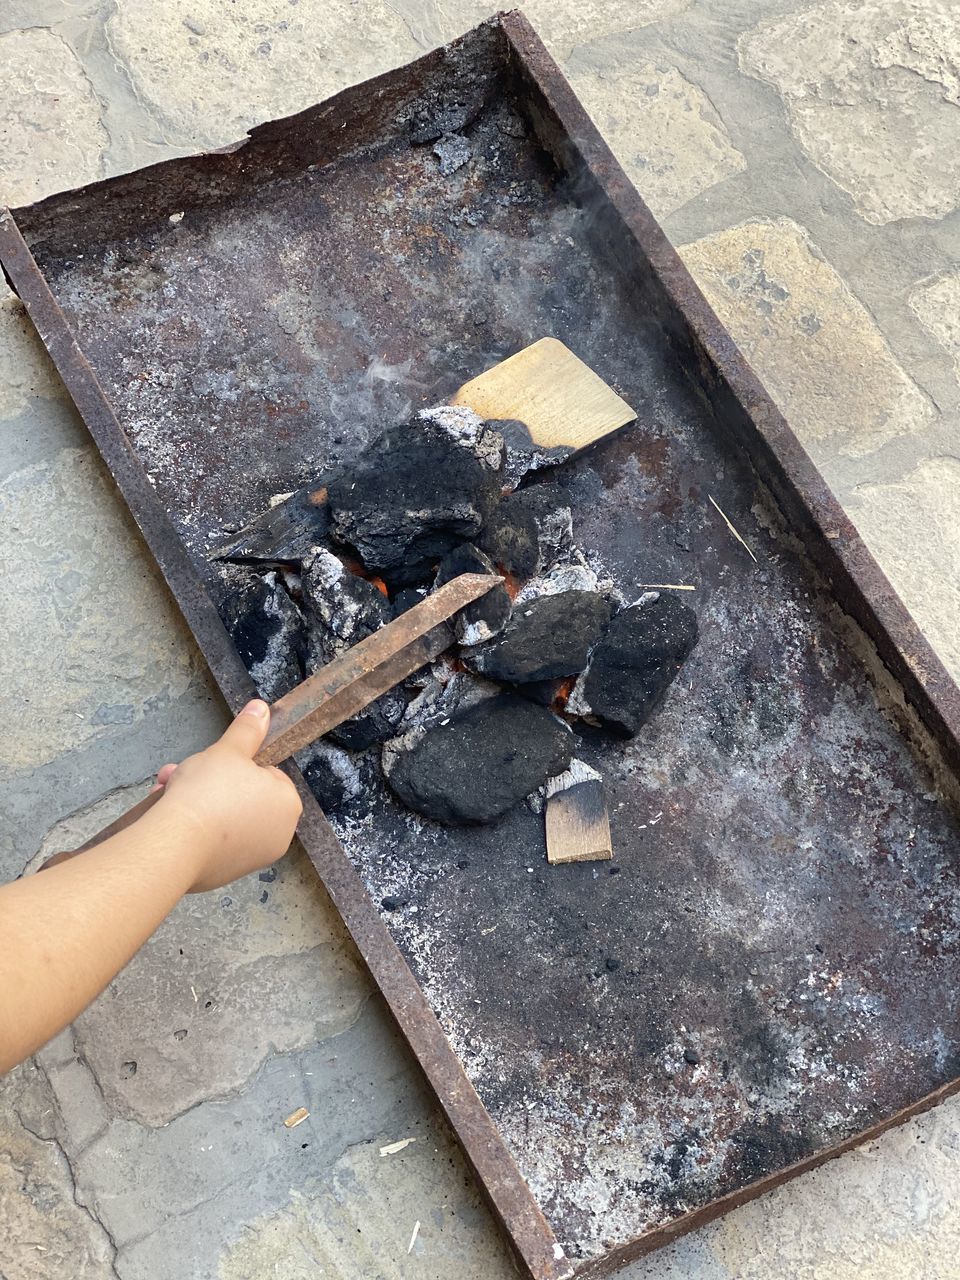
(772, 962)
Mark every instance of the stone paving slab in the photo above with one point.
(803, 156)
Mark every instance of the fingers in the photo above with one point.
(164, 774)
(248, 731)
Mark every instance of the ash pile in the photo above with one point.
(553, 648)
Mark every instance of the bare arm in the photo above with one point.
(64, 934)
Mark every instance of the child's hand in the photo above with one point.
(240, 815)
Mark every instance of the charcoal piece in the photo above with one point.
(330, 774)
(511, 540)
(479, 764)
(285, 533)
(523, 455)
(414, 495)
(341, 610)
(550, 507)
(467, 429)
(528, 529)
(545, 692)
(635, 663)
(374, 724)
(268, 631)
(546, 638)
(484, 618)
(406, 599)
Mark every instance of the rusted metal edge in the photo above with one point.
(836, 548)
(838, 552)
(367, 116)
(661, 1236)
(512, 1201)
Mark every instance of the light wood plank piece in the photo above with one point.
(559, 399)
(577, 821)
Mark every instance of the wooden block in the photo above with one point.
(559, 399)
(578, 824)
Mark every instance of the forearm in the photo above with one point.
(65, 933)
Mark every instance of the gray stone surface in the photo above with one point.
(872, 91)
(819, 351)
(803, 156)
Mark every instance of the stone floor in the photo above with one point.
(805, 159)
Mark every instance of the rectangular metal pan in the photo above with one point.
(771, 976)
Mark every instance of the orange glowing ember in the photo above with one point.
(563, 693)
(358, 571)
(511, 583)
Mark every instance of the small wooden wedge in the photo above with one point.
(559, 399)
(577, 821)
(558, 404)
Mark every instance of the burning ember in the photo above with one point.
(493, 722)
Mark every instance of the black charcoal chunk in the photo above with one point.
(374, 724)
(484, 618)
(480, 763)
(406, 599)
(546, 638)
(635, 663)
(341, 610)
(285, 533)
(415, 494)
(511, 540)
(528, 529)
(268, 631)
(545, 692)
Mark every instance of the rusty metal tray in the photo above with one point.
(773, 974)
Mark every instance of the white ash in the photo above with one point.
(470, 633)
(341, 608)
(453, 152)
(536, 800)
(573, 572)
(469, 430)
(271, 673)
(578, 772)
(292, 580)
(340, 763)
(556, 531)
(577, 704)
(325, 567)
(280, 497)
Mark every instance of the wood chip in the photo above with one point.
(577, 822)
(296, 1117)
(728, 523)
(392, 1148)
